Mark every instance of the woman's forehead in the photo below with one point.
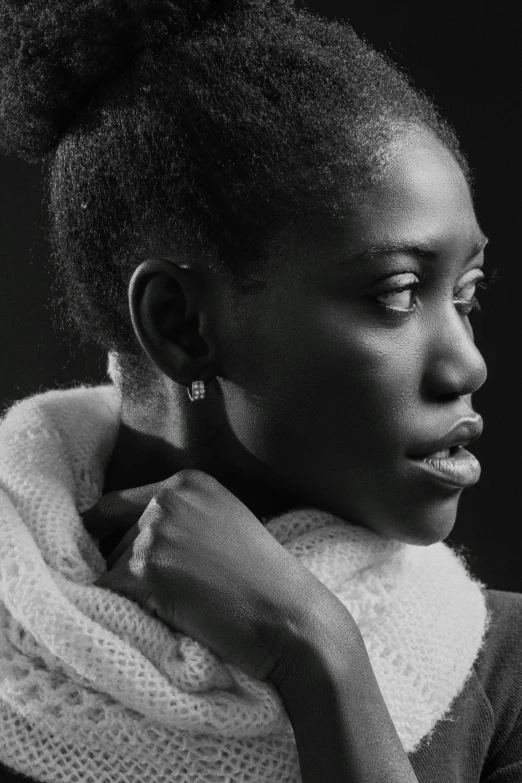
(421, 200)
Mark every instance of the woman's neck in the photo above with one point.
(138, 458)
(141, 456)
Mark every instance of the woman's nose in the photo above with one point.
(454, 365)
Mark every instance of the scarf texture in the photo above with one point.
(93, 689)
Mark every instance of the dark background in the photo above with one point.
(467, 59)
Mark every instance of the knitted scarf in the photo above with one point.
(93, 689)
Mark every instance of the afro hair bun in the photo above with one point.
(54, 53)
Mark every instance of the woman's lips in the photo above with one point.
(460, 469)
(463, 432)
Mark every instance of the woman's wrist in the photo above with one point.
(324, 651)
(342, 728)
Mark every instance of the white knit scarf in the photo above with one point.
(95, 690)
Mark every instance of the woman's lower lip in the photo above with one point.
(461, 469)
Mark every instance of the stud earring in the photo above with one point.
(198, 391)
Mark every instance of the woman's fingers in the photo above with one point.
(121, 580)
(116, 512)
(123, 544)
(128, 579)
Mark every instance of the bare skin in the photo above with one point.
(316, 392)
(318, 387)
(203, 564)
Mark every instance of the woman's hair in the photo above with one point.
(193, 129)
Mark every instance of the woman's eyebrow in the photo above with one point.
(423, 250)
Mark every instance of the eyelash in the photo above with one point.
(469, 306)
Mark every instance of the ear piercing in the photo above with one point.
(198, 391)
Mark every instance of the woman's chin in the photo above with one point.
(432, 530)
(425, 527)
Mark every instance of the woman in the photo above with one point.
(247, 582)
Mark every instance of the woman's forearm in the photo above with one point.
(342, 727)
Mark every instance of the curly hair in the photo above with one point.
(194, 129)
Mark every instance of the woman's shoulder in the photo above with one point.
(501, 653)
(499, 664)
(504, 634)
(498, 669)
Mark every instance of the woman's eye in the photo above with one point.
(468, 302)
(400, 298)
(467, 294)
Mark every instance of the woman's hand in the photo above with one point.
(195, 556)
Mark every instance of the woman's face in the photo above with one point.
(328, 388)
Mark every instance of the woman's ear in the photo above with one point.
(166, 308)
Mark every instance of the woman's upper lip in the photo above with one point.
(463, 432)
